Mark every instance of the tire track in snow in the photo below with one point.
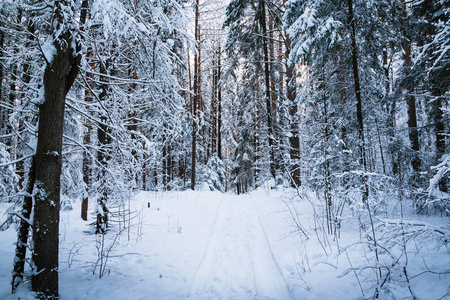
(238, 263)
(270, 249)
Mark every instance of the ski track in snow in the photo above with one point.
(238, 262)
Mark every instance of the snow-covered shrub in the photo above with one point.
(215, 174)
(436, 198)
(406, 252)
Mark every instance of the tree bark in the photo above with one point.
(103, 156)
(2, 41)
(410, 98)
(59, 76)
(294, 140)
(219, 104)
(87, 135)
(196, 96)
(262, 21)
(213, 119)
(133, 114)
(27, 206)
(87, 138)
(23, 232)
(327, 189)
(357, 87)
(273, 93)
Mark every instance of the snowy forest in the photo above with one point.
(236, 149)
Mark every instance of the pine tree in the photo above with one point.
(432, 68)
(249, 36)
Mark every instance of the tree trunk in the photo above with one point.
(2, 41)
(200, 126)
(103, 157)
(133, 114)
(195, 104)
(27, 206)
(219, 104)
(262, 21)
(23, 232)
(213, 119)
(257, 130)
(294, 140)
(86, 171)
(390, 109)
(327, 189)
(359, 114)
(87, 137)
(387, 82)
(59, 76)
(273, 93)
(410, 98)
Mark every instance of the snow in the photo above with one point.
(239, 262)
(267, 244)
(49, 50)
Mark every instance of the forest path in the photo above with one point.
(239, 263)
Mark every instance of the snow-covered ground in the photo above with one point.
(268, 244)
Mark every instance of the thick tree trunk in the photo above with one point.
(59, 76)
